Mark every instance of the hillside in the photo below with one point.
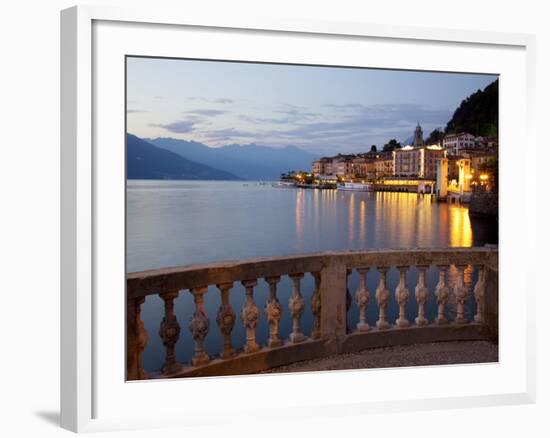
(251, 161)
(477, 114)
(145, 161)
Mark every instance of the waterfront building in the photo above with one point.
(442, 181)
(479, 159)
(406, 184)
(454, 143)
(452, 168)
(363, 168)
(420, 162)
(383, 165)
(418, 139)
(342, 166)
(322, 166)
(317, 168)
(464, 175)
(326, 179)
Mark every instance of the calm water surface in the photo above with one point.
(171, 223)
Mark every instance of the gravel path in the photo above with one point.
(436, 353)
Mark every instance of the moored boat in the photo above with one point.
(284, 184)
(358, 187)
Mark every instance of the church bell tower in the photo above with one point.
(418, 139)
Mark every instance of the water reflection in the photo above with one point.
(460, 229)
(299, 217)
(182, 223)
(351, 216)
(362, 220)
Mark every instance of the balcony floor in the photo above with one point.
(436, 353)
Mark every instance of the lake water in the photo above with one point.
(172, 223)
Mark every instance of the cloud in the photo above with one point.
(229, 134)
(265, 120)
(330, 129)
(360, 126)
(344, 107)
(292, 114)
(132, 111)
(178, 127)
(221, 100)
(207, 112)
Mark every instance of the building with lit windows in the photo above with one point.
(363, 168)
(480, 159)
(323, 166)
(342, 165)
(383, 165)
(419, 162)
(454, 143)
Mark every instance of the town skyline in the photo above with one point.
(219, 103)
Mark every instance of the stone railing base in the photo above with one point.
(288, 353)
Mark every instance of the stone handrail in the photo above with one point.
(329, 303)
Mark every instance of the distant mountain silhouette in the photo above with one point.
(146, 161)
(250, 161)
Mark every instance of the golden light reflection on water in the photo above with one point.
(299, 215)
(315, 209)
(379, 220)
(425, 223)
(460, 229)
(351, 216)
(362, 220)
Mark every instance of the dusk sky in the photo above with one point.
(324, 110)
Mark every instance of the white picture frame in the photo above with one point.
(84, 31)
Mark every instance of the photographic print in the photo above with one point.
(294, 218)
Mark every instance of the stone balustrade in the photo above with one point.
(329, 303)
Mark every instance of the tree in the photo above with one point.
(436, 137)
(373, 148)
(477, 114)
(391, 145)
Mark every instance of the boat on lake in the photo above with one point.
(356, 187)
(284, 184)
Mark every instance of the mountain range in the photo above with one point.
(146, 161)
(251, 161)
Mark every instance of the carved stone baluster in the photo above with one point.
(273, 313)
(461, 294)
(348, 298)
(402, 297)
(199, 325)
(479, 294)
(316, 306)
(421, 294)
(249, 316)
(382, 297)
(296, 307)
(226, 320)
(136, 339)
(170, 332)
(441, 295)
(362, 299)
